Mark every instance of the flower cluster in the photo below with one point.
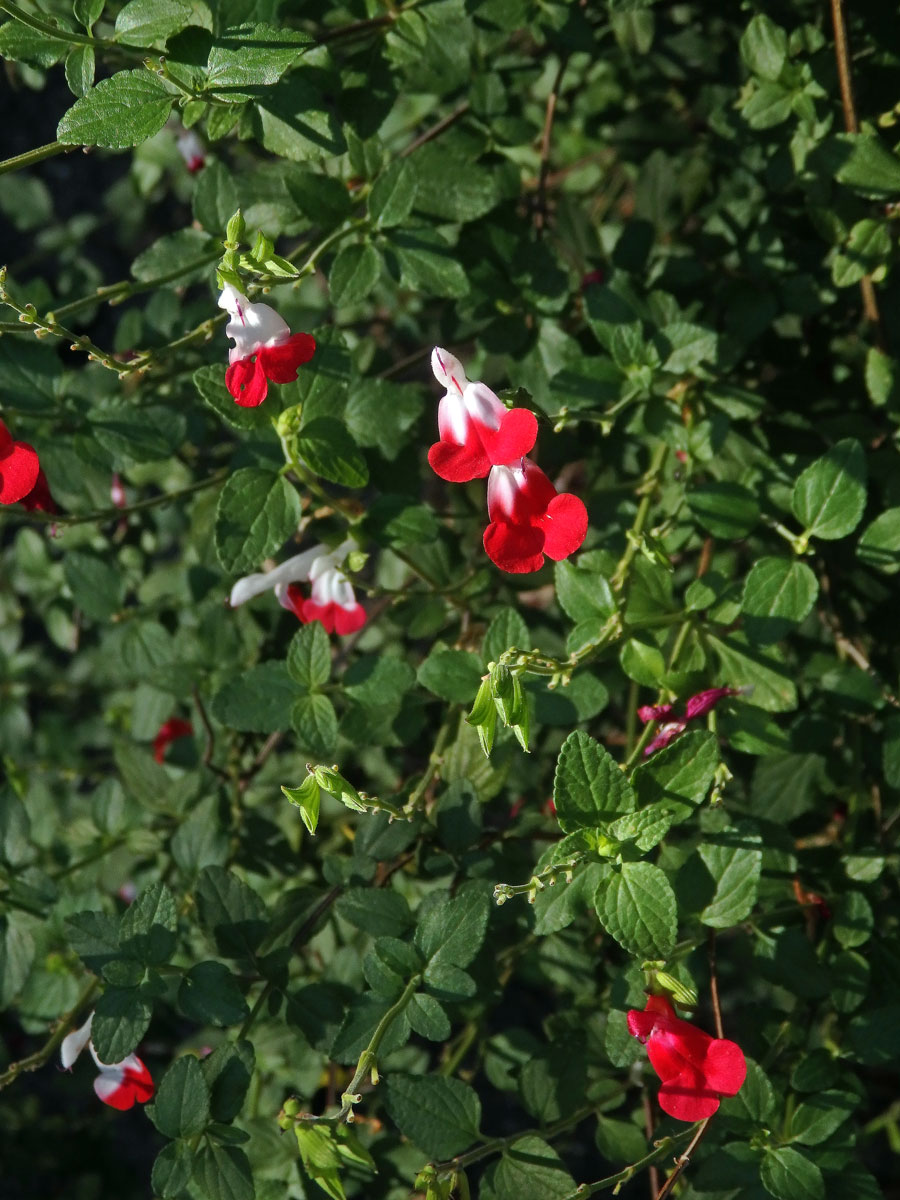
(695, 1068)
(120, 1085)
(332, 601)
(479, 436)
(264, 348)
(21, 479)
(672, 727)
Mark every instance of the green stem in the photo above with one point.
(18, 161)
(435, 759)
(651, 479)
(74, 39)
(116, 293)
(255, 1010)
(498, 1145)
(661, 1150)
(33, 1061)
(115, 514)
(94, 855)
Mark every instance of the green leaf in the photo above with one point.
(452, 188)
(149, 22)
(754, 1102)
(552, 1082)
(816, 1119)
(583, 593)
(314, 721)
(427, 1018)
(354, 273)
(589, 787)
(119, 112)
(787, 1175)
(180, 1108)
(853, 919)
(830, 495)
(231, 911)
(454, 675)
(18, 43)
(257, 701)
(16, 957)
(393, 194)
(208, 993)
(642, 661)
(148, 926)
(172, 1170)
(769, 104)
(257, 512)
(506, 631)
(528, 1170)
(690, 345)
(451, 930)
(680, 774)
(778, 593)
(228, 1072)
(121, 1018)
(80, 70)
(97, 587)
(328, 449)
(879, 546)
(764, 47)
(637, 906)
(866, 165)
(375, 911)
(440, 1116)
(380, 413)
(309, 656)
(867, 248)
(428, 264)
(742, 665)
(726, 510)
(735, 866)
(177, 251)
(88, 11)
(148, 434)
(223, 1173)
(294, 120)
(251, 56)
(880, 376)
(308, 799)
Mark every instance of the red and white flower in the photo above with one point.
(529, 518)
(21, 479)
(191, 150)
(121, 1084)
(332, 601)
(167, 733)
(696, 706)
(695, 1069)
(476, 430)
(264, 348)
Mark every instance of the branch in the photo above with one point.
(36, 1060)
(540, 212)
(30, 157)
(683, 1159)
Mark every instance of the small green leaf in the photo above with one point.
(726, 510)
(97, 587)
(529, 1170)
(787, 1175)
(451, 930)
(637, 906)
(88, 11)
(589, 787)
(16, 957)
(121, 1018)
(778, 594)
(378, 912)
(866, 165)
(853, 919)
(354, 273)
(817, 1118)
(209, 994)
(172, 1170)
(119, 112)
(147, 929)
(879, 546)
(223, 1173)
(454, 675)
(149, 22)
(228, 1071)
(257, 701)
(830, 495)
(764, 47)
(427, 1018)
(314, 721)
(231, 911)
(251, 56)
(309, 656)
(307, 798)
(393, 193)
(440, 1116)
(328, 449)
(257, 512)
(867, 248)
(735, 866)
(80, 70)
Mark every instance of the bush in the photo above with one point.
(398, 832)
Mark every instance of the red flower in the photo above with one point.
(264, 348)
(530, 519)
(696, 706)
(332, 602)
(695, 1069)
(19, 468)
(174, 728)
(120, 1085)
(476, 430)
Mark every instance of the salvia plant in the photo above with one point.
(449, 532)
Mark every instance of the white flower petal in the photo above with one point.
(74, 1042)
(293, 570)
(448, 370)
(483, 406)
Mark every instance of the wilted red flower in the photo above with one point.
(695, 1069)
(174, 728)
(697, 706)
(264, 348)
(811, 899)
(529, 518)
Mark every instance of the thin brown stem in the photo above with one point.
(435, 130)
(682, 1160)
(540, 211)
(851, 124)
(207, 729)
(714, 985)
(653, 1171)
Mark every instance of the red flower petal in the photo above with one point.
(39, 497)
(134, 1085)
(19, 468)
(294, 600)
(280, 362)
(564, 525)
(686, 1099)
(459, 464)
(513, 440)
(725, 1067)
(174, 728)
(246, 380)
(323, 613)
(348, 620)
(514, 548)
